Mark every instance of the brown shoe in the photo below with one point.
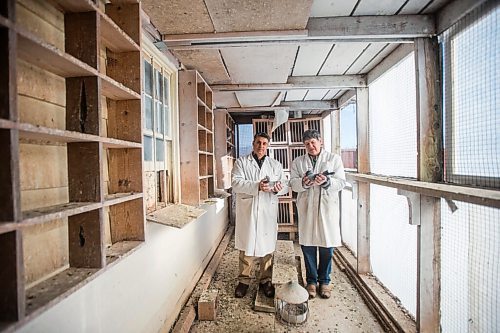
(241, 290)
(311, 290)
(267, 288)
(325, 290)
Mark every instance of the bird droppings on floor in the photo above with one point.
(344, 312)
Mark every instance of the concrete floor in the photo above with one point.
(345, 311)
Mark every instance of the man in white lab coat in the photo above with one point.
(317, 177)
(257, 180)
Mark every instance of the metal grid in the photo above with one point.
(393, 123)
(470, 280)
(470, 52)
(245, 138)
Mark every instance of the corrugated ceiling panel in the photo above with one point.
(378, 7)
(225, 99)
(295, 95)
(259, 64)
(325, 8)
(178, 16)
(366, 57)
(341, 58)
(208, 62)
(257, 98)
(315, 94)
(310, 58)
(236, 15)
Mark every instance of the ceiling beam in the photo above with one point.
(301, 82)
(454, 11)
(289, 106)
(383, 28)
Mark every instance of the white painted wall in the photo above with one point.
(139, 292)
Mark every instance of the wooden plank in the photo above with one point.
(85, 237)
(127, 221)
(9, 176)
(207, 305)
(124, 120)
(484, 197)
(362, 107)
(116, 90)
(429, 265)
(84, 180)
(82, 31)
(76, 6)
(125, 67)
(429, 106)
(49, 213)
(83, 105)
(125, 171)
(35, 111)
(8, 77)
(11, 277)
(117, 198)
(177, 215)
(395, 26)
(48, 57)
(454, 11)
(126, 16)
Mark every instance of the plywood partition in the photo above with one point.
(125, 170)
(84, 179)
(83, 104)
(82, 32)
(9, 176)
(127, 221)
(126, 16)
(224, 152)
(124, 120)
(11, 277)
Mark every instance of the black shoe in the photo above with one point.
(267, 288)
(241, 290)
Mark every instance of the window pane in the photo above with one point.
(158, 85)
(159, 117)
(148, 112)
(148, 83)
(166, 91)
(148, 148)
(167, 120)
(160, 150)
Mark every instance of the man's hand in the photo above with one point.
(264, 186)
(319, 179)
(277, 187)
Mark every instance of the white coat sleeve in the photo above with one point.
(239, 183)
(337, 181)
(296, 177)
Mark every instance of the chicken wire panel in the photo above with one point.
(349, 219)
(393, 244)
(470, 280)
(471, 75)
(348, 137)
(393, 123)
(244, 139)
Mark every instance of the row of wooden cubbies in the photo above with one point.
(104, 202)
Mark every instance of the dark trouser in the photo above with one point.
(318, 273)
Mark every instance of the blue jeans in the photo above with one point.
(318, 273)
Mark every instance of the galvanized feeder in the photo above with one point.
(291, 304)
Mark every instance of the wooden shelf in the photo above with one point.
(121, 249)
(5, 22)
(114, 38)
(33, 50)
(44, 214)
(115, 90)
(57, 287)
(76, 6)
(117, 198)
(8, 227)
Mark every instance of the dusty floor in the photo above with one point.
(345, 311)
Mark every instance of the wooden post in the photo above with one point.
(429, 170)
(364, 265)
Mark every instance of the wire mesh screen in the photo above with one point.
(393, 244)
(393, 123)
(349, 219)
(470, 280)
(470, 52)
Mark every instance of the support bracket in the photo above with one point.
(413, 205)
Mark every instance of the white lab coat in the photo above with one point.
(318, 208)
(256, 229)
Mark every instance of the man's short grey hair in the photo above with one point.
(311, 134)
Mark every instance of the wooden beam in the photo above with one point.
(454, 11)
(328, 105)
(301, 82)
(379, 26)
(346, 98)
(478, 196)
(383, 28)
